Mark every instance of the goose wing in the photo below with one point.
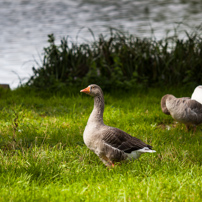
(194, 105)
(121, 140)
(192, 112)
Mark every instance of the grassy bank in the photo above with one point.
(43, 157)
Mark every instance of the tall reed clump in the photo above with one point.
(120, 61)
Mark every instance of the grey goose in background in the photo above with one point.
(183, 110)
(197, 94)
(109, 143)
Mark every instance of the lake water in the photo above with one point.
(25, 24)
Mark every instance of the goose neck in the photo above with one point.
(98, 110)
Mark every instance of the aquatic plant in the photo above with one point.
(120, 61)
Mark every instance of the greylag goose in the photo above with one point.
(109, 143)
(183, 110)
(197, 94)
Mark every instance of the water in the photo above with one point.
(25, 24)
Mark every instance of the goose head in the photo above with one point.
(163, 103)
(93, 90)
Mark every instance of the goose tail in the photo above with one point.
(146, 150)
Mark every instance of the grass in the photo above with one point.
(43, 157)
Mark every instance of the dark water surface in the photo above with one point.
(25, 24)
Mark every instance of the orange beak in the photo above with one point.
(86, 90)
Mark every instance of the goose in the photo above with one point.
(197, 94)
(183, 110)
(108, 143)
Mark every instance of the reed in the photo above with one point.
(120, 61)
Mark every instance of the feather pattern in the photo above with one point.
(184, 110)
(122, 140)
(109, 143)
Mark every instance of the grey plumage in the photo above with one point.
(122, 140)
(183, 109)
(109, 143)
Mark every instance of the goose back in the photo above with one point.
(183, 109)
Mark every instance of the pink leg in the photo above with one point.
(107, 162)
(187, 127)
(194, 129)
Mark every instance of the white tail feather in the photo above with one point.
(197, 94)
(146, 149)
(136, 154)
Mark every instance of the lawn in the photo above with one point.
(43, 157)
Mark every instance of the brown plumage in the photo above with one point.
(109, 143)
(183, 110)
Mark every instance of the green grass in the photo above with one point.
(43, 157)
